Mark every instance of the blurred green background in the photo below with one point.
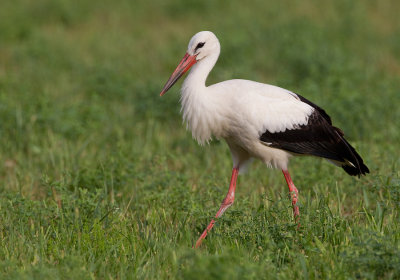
(99, 179)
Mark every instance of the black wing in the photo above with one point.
(318, 138)
(316, 107)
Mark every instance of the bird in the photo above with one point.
(257, 121)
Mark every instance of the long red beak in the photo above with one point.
(185, 64)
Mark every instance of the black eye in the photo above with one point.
(199, 45)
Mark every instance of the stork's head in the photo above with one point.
(202, 45)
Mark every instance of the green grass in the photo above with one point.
(100, 180)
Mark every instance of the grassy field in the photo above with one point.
(100, 180)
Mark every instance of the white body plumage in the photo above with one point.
(239, 111)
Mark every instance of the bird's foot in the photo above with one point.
(204, 234)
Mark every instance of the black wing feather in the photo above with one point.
(318, 138)
(316, 107)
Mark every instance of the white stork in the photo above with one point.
(256, 120)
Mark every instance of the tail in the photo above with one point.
(353, 164)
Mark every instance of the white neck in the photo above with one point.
(197, 100)
(198, 74)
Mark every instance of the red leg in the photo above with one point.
(228, 201)
(294, 194)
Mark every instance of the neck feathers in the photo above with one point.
(199, 103)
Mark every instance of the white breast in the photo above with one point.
(203, 115)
